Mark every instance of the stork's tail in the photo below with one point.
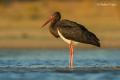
(93, 39)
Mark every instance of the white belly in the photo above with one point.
(66, 40)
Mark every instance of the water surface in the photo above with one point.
(44, 64)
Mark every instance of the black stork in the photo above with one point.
(71, 32)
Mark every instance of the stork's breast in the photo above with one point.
(66, 40)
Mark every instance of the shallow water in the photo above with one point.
(49, 64)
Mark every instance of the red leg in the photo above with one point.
(71, 64)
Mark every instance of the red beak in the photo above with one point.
(50, 19)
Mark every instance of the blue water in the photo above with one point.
(51, 64)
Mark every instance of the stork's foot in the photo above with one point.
(71, 66)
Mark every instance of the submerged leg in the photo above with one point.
(71, 63)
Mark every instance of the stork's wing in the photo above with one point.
(77, 32)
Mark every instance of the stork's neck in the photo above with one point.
(54, 22)
(53, 27)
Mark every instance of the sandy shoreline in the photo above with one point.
(49, 44)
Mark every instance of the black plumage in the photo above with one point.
(72, 31)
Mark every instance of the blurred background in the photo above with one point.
(30, 53)
(20, 21)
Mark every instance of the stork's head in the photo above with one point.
(54, 17)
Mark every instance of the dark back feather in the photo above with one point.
(77, 32)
